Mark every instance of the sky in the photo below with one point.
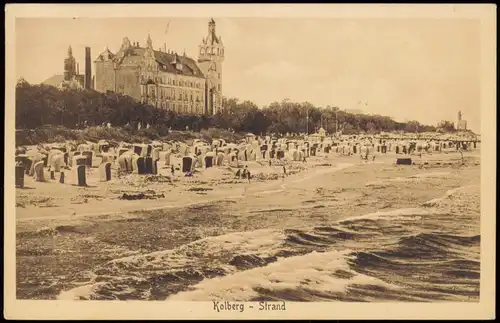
(410, 69)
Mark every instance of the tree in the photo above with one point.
(412, 126)
(446, 126)
(39, 105)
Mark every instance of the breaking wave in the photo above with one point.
(420, 254)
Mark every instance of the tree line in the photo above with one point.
(40, 105)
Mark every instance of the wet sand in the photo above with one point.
(66, 247)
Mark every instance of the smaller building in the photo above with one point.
(71, 77)
(461, 124)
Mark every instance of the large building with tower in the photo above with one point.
(164, 78)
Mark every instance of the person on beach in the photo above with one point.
(284, 172)
(248, 176)
(172, 170)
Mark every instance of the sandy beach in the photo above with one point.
(200, 233)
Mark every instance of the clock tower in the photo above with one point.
(211, 56)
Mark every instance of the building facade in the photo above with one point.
(164, 78)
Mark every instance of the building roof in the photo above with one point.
(189, 66)
(105, 55)
(166, 60)
(54, 80)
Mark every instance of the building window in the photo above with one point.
(219, 75)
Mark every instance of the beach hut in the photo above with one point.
(52, 153)
(167, 157)
(123, 163)
(263, 150)
(103, 146)
(79, 174)
(209, 159)
(155, 154)
(188, 164)
(220, 159)
(23, 160)
(57, 162)
(105, 172)
(138, 165)
(89, 155)
(38, 173)
(149, 165)
(252, 155)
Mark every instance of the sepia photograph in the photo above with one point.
(249, 163)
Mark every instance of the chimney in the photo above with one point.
(165, 47)
(88, 69)
(77, 69)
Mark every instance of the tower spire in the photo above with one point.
(70, 51)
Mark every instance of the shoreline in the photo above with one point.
(178, 195)
(247, 191)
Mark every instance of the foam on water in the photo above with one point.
(82, 292)
(221, 253)
(406, 214)
(313, 271)
(448, 194)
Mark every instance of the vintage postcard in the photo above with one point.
(250, 161)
